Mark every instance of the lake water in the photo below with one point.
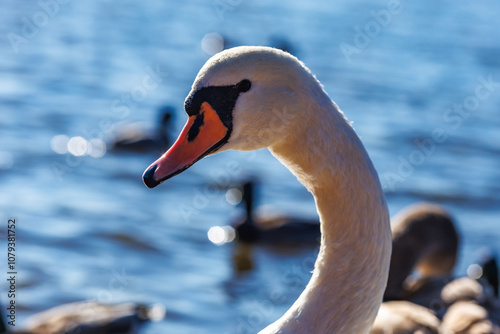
(420, 81)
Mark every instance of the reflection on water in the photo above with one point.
(221, 235)
(78, 146)
(89, 228)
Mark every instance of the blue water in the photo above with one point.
(89, 229)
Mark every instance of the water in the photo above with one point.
(89, 229)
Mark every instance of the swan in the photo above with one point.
(273, 230)
(248, 98)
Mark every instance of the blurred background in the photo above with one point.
(419, 79)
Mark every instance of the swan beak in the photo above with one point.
(202, 134)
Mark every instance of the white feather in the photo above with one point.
(288, 111)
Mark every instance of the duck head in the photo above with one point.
(240, 100)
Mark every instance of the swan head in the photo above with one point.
(243, 98)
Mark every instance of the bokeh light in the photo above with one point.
(475, 271)
(221, 235)
(59, 144)
(96, 148)
(234, 196)
(212, 43)
(77, 146)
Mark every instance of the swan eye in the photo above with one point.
(243, 86)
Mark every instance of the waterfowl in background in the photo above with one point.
(281, 234)
(92, 318)
(465, 317)
(472, 308)
(248, 98)
(424, 239)
(136, 138)
(397, 317)
(274, 230)
(490, 273)
(468, 289)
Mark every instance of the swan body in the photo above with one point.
(248, 98)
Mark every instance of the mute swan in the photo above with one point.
(134, 138)
(247, 98)
(273, 230)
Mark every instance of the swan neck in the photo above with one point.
(350, 275)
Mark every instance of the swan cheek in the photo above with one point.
(203, 134)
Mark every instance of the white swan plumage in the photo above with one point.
(247, 98)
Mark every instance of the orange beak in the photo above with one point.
(202, 134)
